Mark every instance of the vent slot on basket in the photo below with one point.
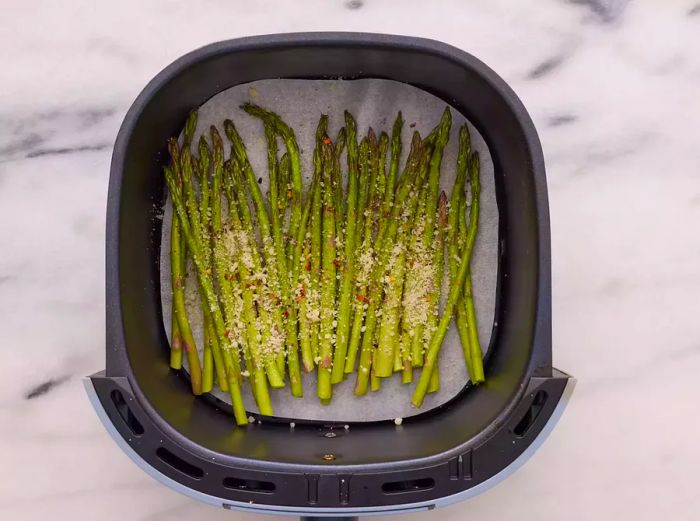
(410, 485)
(531, 415)
(179, 464)
(125, 413)
(250, 485)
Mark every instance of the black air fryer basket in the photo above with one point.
(323, 469)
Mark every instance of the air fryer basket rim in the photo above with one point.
(119, 373)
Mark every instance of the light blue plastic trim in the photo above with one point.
(365, 511)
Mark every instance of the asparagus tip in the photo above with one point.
(371, 137)
(190, 126)
(442, 209)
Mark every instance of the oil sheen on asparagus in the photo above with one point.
(343, 277)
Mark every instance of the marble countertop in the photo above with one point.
(613, 87)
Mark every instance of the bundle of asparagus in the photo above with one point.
(344, 278)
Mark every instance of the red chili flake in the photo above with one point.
(227, 333)
(326, 362)
(289, 194)
(361, 298)
(326, 140)
(307, 266)
(285, 313)
(337, 263)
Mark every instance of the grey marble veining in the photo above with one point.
(612, 86)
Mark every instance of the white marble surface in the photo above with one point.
(614, 89)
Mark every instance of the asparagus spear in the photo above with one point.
(301, 297)
(455, 220)
(456, 288)
(328, 276)
(315, 217)
(273, 200)
(475, 347)
(365, 255)
(442, 135)
(348, 274)
(438, 267)
(176, 259)
(338, 147)
(202, 172)
(287, 134)
(232, 362)
(363, 191)
(386, 188)
(302, 276)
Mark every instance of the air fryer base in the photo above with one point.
(506, 450)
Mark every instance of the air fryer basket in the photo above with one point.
(438, 457)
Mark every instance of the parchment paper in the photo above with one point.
(373, 102)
